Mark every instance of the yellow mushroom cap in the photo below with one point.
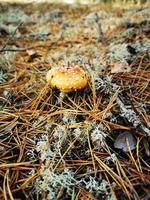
(67, 79)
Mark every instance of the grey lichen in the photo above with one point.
(68, 118)
(6, 95)
(119, 52)
(98, 136)
(52, 182)
(106, 85)
(97, 187)
(143, 46)
(3, 76)
(79, 56)
(112, 158)
(54, 14)
(127, 33)
(122, 52)
(92, 185)
(6, 58)
(13, 15)
(110, 88)
(91, 17)
(132, 117)
(38, 121)
(58, 134)
(78, 132)
(42, 147)
(46, 151)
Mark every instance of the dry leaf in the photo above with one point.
(32, 54)
(120, 66)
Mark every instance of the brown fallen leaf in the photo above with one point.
(32, 54)
(120, 66)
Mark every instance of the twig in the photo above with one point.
(100, 32)
(23, 49)
(12, 35)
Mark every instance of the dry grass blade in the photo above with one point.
(8, 188)
(118, 179)
(8, 165)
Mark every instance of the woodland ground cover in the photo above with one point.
(96, 144)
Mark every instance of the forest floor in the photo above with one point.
(96, 144)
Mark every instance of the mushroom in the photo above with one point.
(67, 79)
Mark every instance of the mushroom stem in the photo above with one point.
(61, 98)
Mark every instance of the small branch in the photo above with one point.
(100, 32)
(12, 35)
(23, 49)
